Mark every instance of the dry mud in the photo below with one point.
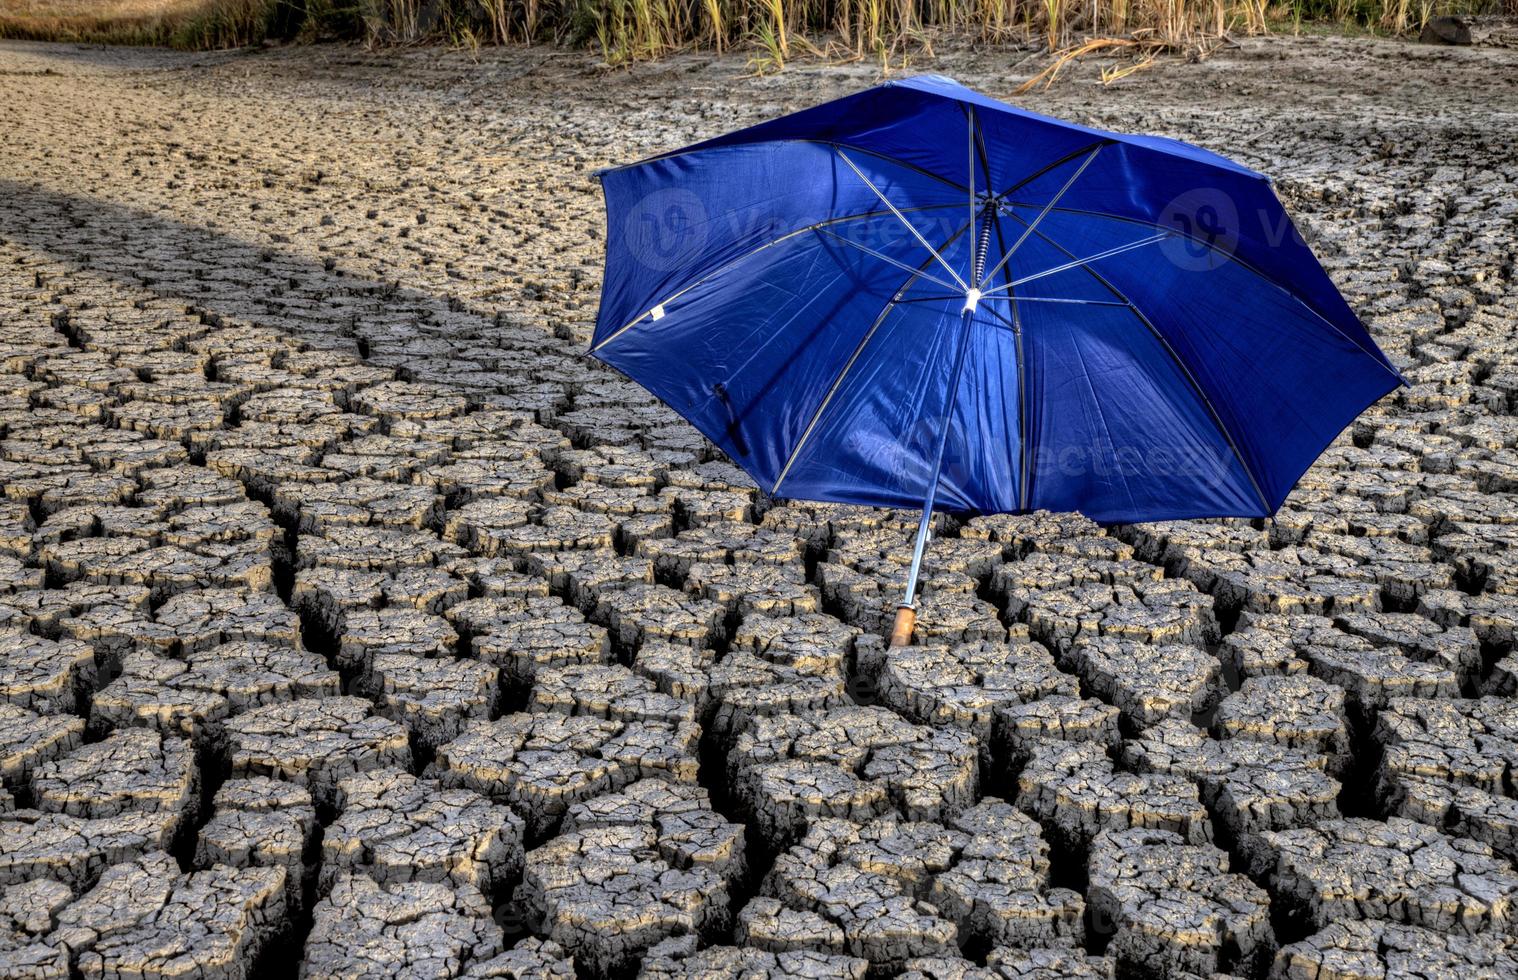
(356, 625)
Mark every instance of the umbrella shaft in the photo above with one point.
(943, 442)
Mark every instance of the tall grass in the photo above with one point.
(773, 31)
(630, 30)
(227, 24)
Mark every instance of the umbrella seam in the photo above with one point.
(728, 266)
(1185, 371)
(1022, 437)
(1069, 183)
(1101, 416)
(834, 144)
(902, 218)
(1246, 266)
(838, 381)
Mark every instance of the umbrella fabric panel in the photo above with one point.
(1215, 209)
(949, 89)
(1284, 381)
(675, 221)
(1116, 432)
(983, 459)
(922, 120)
(777, 333)
(877, 440)
(918, 128)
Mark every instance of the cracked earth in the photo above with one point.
(354, 624)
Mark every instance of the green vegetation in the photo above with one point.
(773, 31)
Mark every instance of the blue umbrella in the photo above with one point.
(918, 296)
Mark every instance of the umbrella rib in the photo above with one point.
(1022, 435)
(1175, 358)
(1107, 254)
(1007, 256)
(827, 399)
(891, 160)
(1010, 325)
(1073, 154)
(1241, 264)
(970, 132)
(984, 297)
(901, 217)
(726, 266)
(885, 258)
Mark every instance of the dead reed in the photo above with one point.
(772, 31)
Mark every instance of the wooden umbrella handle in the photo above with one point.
(906, 620)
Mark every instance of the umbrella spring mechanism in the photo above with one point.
(982, 246)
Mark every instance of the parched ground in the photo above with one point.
(354, 624)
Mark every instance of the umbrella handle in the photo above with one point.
(906, 621)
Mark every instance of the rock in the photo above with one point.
(76, 850)
(1075, 792)
(1446, 30)
(213, 923)
(1347, 950)
(850, 762)
(678, 959)
(131, 770)
(262, 823)
(45, 676)
(28, 740)
(1248, 787)
(967, 685)
(1296, 711)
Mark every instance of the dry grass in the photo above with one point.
(129, 21)
(83, 11)
(773, 31)
(179, 23)
(888, 30)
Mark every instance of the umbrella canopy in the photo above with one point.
(920, 295)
